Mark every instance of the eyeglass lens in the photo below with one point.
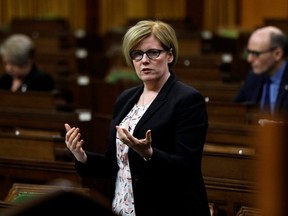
(151, 53)
(258, 53)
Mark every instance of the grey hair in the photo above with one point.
(17, 49)
(280, 40)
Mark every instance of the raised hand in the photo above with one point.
(74, 143)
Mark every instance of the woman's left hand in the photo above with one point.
(142, 146)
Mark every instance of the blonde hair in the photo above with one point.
(145, 28)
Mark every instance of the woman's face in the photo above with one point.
(17, 71)
(153, 68)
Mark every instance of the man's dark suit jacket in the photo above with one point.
(171, 182)
(251, 92)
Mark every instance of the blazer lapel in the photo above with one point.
(129, 105)
(159, 101)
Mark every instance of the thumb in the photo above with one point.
(148, 136)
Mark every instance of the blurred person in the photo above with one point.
(266, 84)
(21, 73)
(157, 133)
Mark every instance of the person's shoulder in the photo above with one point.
(186, 92)
(5, 81)
(4, 76)
(254, 78)
(185, 87)
(252, 74)
(47, 76)
(42, 75)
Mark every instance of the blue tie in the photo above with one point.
(266, 105)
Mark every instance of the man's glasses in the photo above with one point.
(151, 53)
(258, 53)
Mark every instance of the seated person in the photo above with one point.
(21, 73)
(267, 55)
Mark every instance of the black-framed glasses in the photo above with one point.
(151, 53)
(256, 54)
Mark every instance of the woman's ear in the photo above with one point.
(171, 56)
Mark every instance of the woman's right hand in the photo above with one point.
(74, 143)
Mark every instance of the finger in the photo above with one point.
(129, 138)
(70, 134)
(75, 141)
(67, 127)
(121, 134)
(73, 136)
(126, 133)
(122, 130)
(76, 134)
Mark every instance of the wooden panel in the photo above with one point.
(5, 205)
(58, 63)
(230, 196)
(229, 166)
(248, 211)
(101, 125)
(37, 119)
(36, 100)
(12, 146)
(34, 110)
(189, 46)
(38, 189)
(219, 13)
(187, 74)
(40, 25)
(34, 144)
(216, 91)
(281, 23)
(250, 19)
(272, 169)
(200, 61)
(198, 68)
(233, 113)
(104, 94)
(35, 172)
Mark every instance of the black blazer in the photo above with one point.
(251, 92)
(171, 182)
